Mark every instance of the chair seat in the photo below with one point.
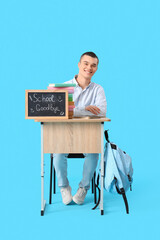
(76, 155)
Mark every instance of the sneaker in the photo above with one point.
(66, 195)
(80, 196)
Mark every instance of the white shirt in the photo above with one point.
(93, 94)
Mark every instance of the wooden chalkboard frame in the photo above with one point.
(46, 117)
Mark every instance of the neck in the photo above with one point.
(83, 82)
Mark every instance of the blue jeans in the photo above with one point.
(89, 167)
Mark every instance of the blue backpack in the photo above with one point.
(118, 171)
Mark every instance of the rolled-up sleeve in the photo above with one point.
(80, 111)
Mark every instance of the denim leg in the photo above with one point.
(60, 165)
(89, 167)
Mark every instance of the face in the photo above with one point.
(87, 66)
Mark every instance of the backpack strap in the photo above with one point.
(125, 200)
(122, 192)
(130, 180)
(106, 135)
(113, 146)
(99, 193)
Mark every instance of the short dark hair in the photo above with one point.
(91, 54)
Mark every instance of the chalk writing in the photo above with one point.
(46, 104)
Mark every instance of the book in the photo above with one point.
(70, 103)
(70, 97)
(70, 107)
(70, 90)
(62, 88)
(70, 114)
(90, 117)
(62, 85)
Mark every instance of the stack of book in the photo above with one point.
(70, 88)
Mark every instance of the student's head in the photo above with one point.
(88, 64)
(90, 54)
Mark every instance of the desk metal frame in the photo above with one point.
(43, 202)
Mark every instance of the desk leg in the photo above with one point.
(42, 174)
(102, 167)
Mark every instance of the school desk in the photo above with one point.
(77, 135)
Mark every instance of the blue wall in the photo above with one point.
(40, 43)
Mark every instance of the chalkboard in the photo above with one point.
(46, 104)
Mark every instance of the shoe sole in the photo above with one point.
(68, 202)
(76, 201)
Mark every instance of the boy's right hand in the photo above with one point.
(93, 109)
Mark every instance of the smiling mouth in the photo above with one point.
(88, 72)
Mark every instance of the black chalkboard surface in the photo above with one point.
(46, 103)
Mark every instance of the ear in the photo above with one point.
(79, 64)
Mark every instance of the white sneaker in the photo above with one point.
(80, 196)
(66, 195)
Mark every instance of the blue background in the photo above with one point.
(40, 43)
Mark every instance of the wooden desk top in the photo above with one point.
(84, 119)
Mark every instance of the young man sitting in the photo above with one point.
(89, 99)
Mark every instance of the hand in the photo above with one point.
(93, 109)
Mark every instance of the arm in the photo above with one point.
(98, 108)
(101, 102)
